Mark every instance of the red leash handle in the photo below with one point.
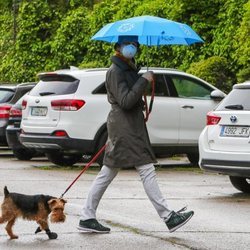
(85, 168)
(149, 109)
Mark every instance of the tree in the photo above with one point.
(214, 70)
(68, 47)
(242, 45)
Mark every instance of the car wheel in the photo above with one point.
(193, 158)
(23, 154)
(241, 183)
(62, 159)
(101, 142)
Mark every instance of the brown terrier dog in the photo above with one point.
(31, 207)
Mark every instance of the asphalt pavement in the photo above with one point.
(220, 220)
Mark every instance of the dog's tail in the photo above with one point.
(6, 191)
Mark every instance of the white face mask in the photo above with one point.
(128, 50)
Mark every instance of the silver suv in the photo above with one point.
(65, 114)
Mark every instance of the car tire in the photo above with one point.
(193, 158)
(62, 159)
(240, 183)
(101, 142)
(23, 154)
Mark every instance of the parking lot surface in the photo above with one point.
(220, 220)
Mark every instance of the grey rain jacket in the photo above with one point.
(128, 142)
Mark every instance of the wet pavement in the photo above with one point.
(220, 220)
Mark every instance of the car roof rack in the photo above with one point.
(26, 84)
(95, 69)
(160, 68)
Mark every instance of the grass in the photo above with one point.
(69, 168)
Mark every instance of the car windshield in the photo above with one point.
(237, 99)
(55, 85)
(6, 95)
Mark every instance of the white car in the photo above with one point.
(224, 144)
(65, 114)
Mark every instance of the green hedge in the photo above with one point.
(55, 34)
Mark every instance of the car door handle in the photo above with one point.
(187, 107)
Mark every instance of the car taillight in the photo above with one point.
(14, 112)
(67, 104)
(60, 133)
(212, 119)
(5, 111)
(24, 104)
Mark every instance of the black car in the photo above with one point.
(9, 95)
(13, 131)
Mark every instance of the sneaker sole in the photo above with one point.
(89, 230)
(180, 225)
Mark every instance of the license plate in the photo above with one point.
(39, 111)
(235, 131)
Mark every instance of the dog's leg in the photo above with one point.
(44, 226)
(9, 229)
(52, 235)
(4, 216)
(2, 220)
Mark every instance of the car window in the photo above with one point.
(55, 85)
(236, 99)
(160, 86)
(101, 89)
(6, 95)
(190, 88)
(20, 91)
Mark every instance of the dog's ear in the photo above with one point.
(64, 201)
(50, 202)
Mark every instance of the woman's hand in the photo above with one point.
(149, 75)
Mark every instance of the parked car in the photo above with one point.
(65, 113)
(224, 143)
(9, 95)
(13, 131)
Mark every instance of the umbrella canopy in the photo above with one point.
(150, 31)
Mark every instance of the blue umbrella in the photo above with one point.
(150, 31)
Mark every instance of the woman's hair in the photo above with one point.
(117, 46)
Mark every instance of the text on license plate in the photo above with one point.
(235, 131)
(39, 111)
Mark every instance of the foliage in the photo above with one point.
(6, 34)
(36, 22)
(99, 52)
(214, 70)
(55, 34)
(242, 45)
(6, 4)
(68, 48)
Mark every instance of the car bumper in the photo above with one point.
(3, 133)
(12, 136)
(232, 168)
(223, 162)
(48, 143)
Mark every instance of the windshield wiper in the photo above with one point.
(235, 106)
(46, 93)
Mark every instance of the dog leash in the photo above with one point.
(148, 111)
(84, 169)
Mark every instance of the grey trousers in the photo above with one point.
(105, 177)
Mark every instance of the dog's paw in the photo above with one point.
(52, 235)
(38, 230)
(13, 237)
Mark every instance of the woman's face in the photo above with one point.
(128, 49)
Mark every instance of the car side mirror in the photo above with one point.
(217, 95)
